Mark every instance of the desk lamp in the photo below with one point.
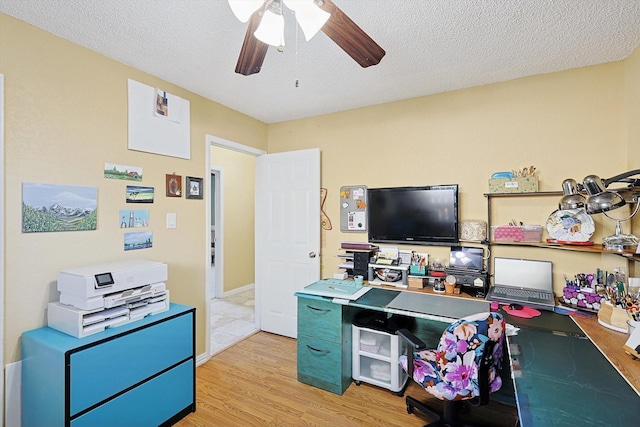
(601, 198)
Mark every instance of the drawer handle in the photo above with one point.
(317, 350)
(324, 310)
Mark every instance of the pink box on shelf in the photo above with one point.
(513, 233)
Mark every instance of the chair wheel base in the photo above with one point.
(447, 418)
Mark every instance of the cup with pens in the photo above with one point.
(418, 266)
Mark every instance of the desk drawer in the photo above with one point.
(150, 404)
(100, 371)
(320, 359)
(320, 318)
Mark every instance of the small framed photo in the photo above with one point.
(194, 188)
(174, 185)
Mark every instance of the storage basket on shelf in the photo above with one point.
(516, 233)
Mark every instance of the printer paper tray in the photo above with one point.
(131, 295)
(80, 323)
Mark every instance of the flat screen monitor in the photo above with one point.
(413, 215)
(467, 258)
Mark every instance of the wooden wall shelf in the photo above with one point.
(596, 248)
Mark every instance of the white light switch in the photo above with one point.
(171, 220)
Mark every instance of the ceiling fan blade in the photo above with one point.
(253, 50)
(350, 37)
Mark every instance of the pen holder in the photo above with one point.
(583, 298)
(417, 270)
(613, 317)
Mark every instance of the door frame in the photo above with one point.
(218, 215)
(215, 141)
(2, 250)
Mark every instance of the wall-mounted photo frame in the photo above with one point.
(174, 185)
(137, 194)
(194, 188)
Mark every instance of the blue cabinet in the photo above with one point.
(138, 374)
(324, 344)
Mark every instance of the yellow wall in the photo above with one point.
(65, 116)
(239, 237)
(562, 123)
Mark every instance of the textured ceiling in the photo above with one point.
(432, 46)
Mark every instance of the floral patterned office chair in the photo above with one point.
(465, 366)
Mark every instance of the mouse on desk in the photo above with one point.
(514, 306)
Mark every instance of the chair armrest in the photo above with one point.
(409, 337)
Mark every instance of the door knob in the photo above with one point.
(312, 254)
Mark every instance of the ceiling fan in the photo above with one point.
(266, 27)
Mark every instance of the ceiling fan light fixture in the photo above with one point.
(310, 17)
(243, 9)
(271, 29)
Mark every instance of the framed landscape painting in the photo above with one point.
(55, 207)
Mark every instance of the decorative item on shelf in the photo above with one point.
(473, 230)
(517, 233)
(437, 264)
(598, 195)
(517, 181)
(570, 226)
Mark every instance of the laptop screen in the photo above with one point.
(523, 273)
(466, 257)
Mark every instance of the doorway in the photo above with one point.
(231, 307)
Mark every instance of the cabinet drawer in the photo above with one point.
(100, 371)
(320, 318)
(150, 404)
(320, 359)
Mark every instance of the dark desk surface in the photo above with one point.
(562, 379)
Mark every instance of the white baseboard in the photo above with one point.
(238, 290)
(202, 358)
(13, 394)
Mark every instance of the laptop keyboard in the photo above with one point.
(522, 293)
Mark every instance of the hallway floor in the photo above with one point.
(232, 319)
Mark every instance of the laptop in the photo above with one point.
(523, 281)
(466, 259)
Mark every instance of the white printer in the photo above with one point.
(95, 297)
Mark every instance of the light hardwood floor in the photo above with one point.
(253, 383)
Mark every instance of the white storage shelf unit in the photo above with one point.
(375, 359)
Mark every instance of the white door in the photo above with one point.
(287, 234)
